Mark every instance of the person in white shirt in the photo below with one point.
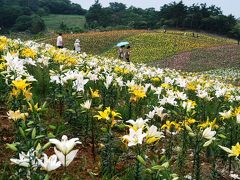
(77, 46)
(60, 41)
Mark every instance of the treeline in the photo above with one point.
(173, 15)
(21, 15)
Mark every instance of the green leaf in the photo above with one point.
(38, 147)
(34, 131)
(191, 134)
(12, 146)
(40, 136)
(165, 165)
(149, 171)
(71, 110)
(141, 160)
(222, 136)
(188, 128)
(52, 127)
(157, 167)
(28, 130)
(47, 145)
(59, 95)
(30, 123)
(46, 177)
(51, 135)
(22, 132)
(104, 130)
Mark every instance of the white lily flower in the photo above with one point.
(80, 82)
(153, 135)
(158, 91)
(49, 164)
(181, 95)
(151, 114)
(134, 137)
(159, 112)
(92, 77)
(204, 95)
(220, 92)
(22, 161)
(65, 159)
(26, 160)
(65, 145)
(226, 114)
(139, 123)
(238, 118)
(120, 81)
(87, 104)
(208, 134)
(57, 78)
(109, 80)
(188, 105)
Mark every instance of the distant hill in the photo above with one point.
(53, 21)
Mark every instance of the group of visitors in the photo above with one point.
(76, 46)
(124, 53)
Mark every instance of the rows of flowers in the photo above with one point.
(153, 46)
(95, 42)
(142, 122)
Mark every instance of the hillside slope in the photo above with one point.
(147, 46)
(53, 21)
(227, 56)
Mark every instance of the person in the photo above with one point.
(60, 41)
(164, 28)
(127, 54)
(120, 52)
(77, 46)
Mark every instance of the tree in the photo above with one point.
(37, 24)
(235, 32)
(9, 14)
(23, 23)
(94, 14)
(175, 11)
(32, 23)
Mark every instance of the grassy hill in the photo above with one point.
(153, 46)
(147, 46)
(95, 42)
(53, 21)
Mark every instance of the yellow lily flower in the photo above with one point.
(94, 94)
(137, 93)
(35, 107)
(16, 115)
(235, 151)
(20, 84)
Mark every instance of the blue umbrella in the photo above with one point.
(122, 44)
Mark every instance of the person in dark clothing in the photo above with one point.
(127, 54)
(120, 52)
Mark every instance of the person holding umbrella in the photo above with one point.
(127, 54)
(121, 53)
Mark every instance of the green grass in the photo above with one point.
(95, 42)
(53, 21)
(155, 47)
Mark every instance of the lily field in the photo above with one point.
(146, 46)
(65, 115)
